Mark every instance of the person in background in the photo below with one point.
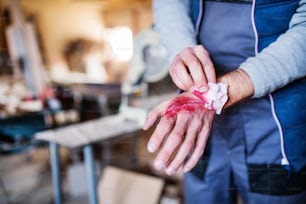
(256, 145)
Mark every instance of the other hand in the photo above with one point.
(192, 67)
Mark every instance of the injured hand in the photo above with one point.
(212, 99)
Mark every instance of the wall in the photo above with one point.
(61, 20)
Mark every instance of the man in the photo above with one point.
(257, 145)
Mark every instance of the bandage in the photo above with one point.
(214, 98)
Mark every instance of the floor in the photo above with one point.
(26, 177)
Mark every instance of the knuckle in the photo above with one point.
(176, 139)
(176, 162)
(177, 60)
(193, 63)
(177, 56)
(205, 131)
(186, 49)
(171, 71)
(189, 144)
(166, 154)
(177, 64)
(208, 65)
(151, 114)
(164, 124)
(196, 125)
(201, 49)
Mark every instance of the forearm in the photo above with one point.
(240, 86)
(172, 21)
(283, 61)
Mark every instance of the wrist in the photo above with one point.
(215, 97)
(240, 86)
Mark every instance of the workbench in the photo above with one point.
(84, 135)
(128, 121)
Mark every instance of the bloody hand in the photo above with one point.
(181, 133)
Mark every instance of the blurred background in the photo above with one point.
(79, 73)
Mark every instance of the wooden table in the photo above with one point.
(84, 135)
(129, 120)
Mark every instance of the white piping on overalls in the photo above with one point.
(254, 27)
(281, 134)
(199, 17)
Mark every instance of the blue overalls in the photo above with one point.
(244, 152)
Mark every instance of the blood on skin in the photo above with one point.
(184, 103)
(200, 95)
(187, 103)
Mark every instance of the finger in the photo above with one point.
(207, 64)
(162, 130)
(174, 139)
(200, 143)
(154, 114)
(195, 67)
(180, 68)
(189, 142)
(177, 81)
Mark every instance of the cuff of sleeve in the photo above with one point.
(257, 79)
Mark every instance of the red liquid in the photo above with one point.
(187, 104)
(184, 103)
(200, 95)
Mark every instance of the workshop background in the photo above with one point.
(77, 78)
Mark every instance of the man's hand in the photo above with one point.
(180, 138)
(192, 67)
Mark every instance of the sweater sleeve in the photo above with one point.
(282, 61)
(172, 20)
